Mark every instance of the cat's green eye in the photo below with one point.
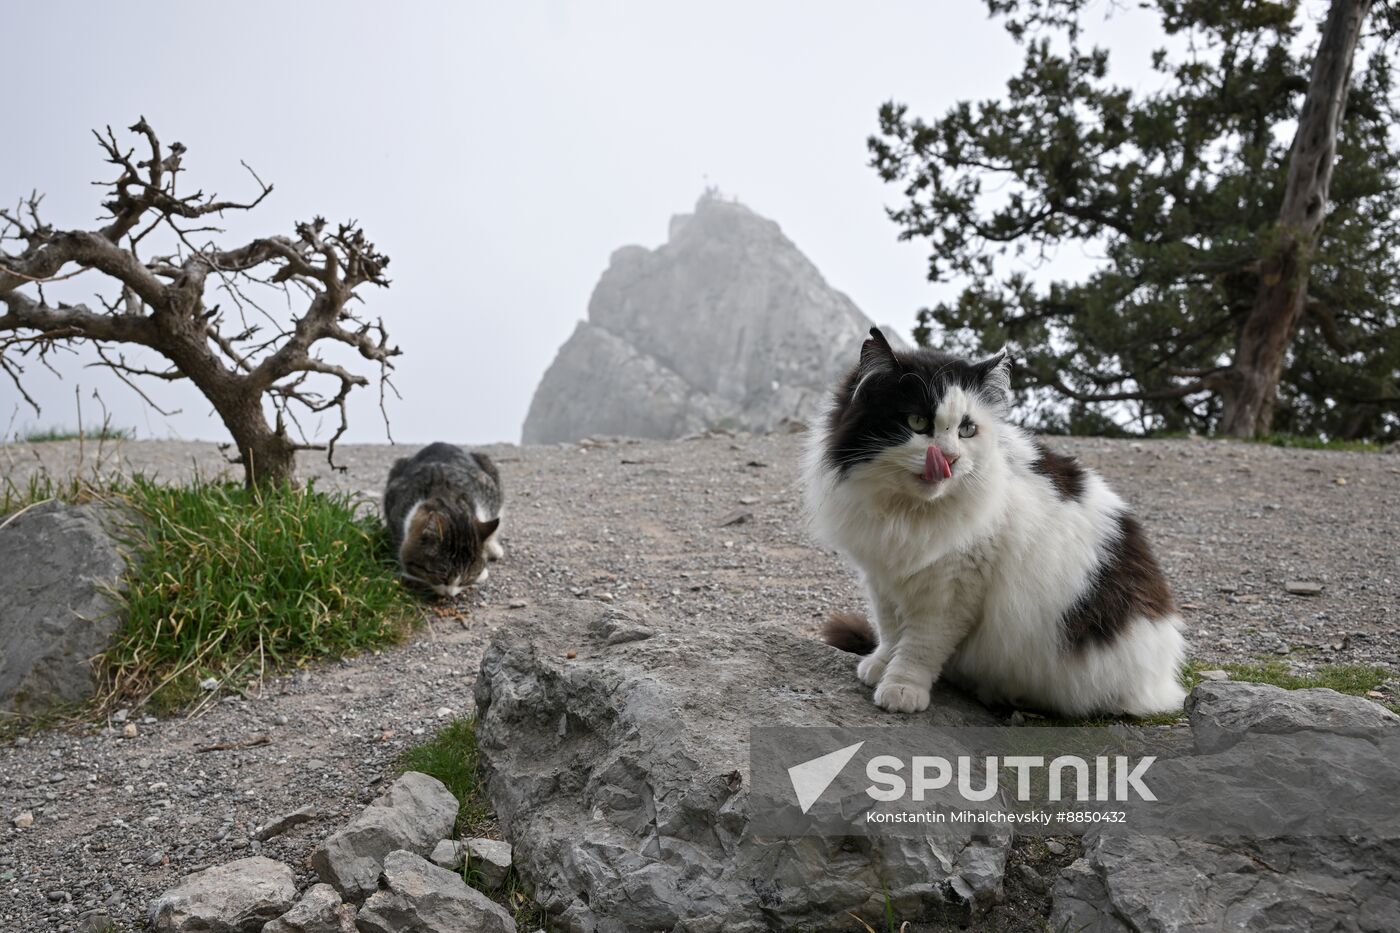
(967, 429)
(917, 423)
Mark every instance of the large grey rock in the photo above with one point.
(419, 897)
(599, 384)
(320, 910)
(1294, 885)
(413, 814)
(1285, 821)
(239, 897)
(1222, 712)
(726, 324)
(620, 772)
(59, 564)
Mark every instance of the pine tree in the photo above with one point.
(1249, 281)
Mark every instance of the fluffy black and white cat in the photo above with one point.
(443, 508)
(988, 559)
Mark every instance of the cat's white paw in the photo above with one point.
(901, 698)
(870, 669)
(494, 551)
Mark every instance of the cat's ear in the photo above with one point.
(428, 523)
(994, 376)
(876, 352)
(876, 356)
(489, 528)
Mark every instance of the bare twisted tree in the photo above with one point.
(256, 369)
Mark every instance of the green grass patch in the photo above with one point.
(233, 583)
(40, 487)
(46, 435)
(1353, 679)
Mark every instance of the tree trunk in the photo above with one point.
(269, 458)
(1288, 249)
(267, 454)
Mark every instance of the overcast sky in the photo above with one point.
(498, 152)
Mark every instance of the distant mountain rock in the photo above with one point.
(726, 325)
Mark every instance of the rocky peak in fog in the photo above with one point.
(727, 324)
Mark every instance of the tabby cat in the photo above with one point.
(443, 510)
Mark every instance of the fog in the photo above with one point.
(497, 152)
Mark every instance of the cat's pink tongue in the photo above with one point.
(936, 466)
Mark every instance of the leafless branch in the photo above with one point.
(162, 304)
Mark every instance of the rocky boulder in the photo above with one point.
(239, 897)
(1131, 884)
(419, 897)
(1317, 849)
(59, 567)
(413, 814)
(1222, 712)
(620, 772)
(726, 324)
(599, 384)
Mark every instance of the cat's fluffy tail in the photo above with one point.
(849, 631)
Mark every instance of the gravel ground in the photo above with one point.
(118, 820)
